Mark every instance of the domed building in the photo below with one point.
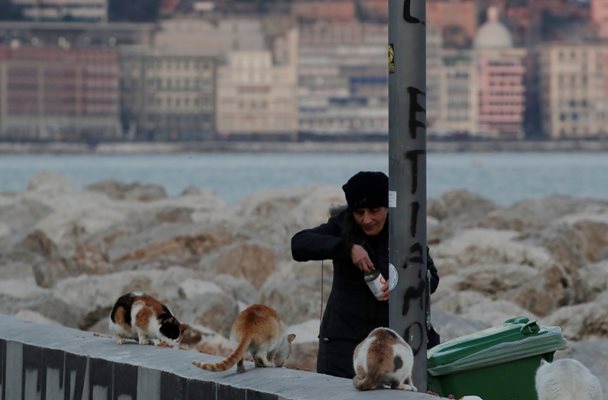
(500, 73)
(493, 34)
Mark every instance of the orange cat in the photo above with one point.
(138, 316)
(260, 330)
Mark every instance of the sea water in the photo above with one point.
(501, 177)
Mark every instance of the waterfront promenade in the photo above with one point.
(297, 147)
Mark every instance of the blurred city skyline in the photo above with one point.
(186, 70)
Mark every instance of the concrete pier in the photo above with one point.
(39, 362)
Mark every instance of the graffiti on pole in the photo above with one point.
(415, 296)
(413, 155)
(415, 108)
(407, 13)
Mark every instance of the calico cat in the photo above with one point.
(139, 316)
(566, 379)
(260, 330)
(383, 358)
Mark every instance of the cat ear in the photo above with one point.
(291, 337)
(543, 361)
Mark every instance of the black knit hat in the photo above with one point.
(366, 189)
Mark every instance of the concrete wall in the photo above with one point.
(40, 362)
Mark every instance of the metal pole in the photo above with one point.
(407, 177)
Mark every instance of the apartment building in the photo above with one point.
(61, 10)
(599, 16)
(167, 95)
(376, 10)
(574, 90)
(500, 74)
(76, 34)
(479, 91)
(456, 19)
(434, 78)
(343, 82)
(458, 95)
(59, 93)
(256, 91)
(200, 36)
(321, 10)
(501, 90)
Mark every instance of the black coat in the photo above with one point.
(352, 311)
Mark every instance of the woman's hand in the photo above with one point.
(360, 258)
(385, 291)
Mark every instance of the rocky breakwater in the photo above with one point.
(67, 253)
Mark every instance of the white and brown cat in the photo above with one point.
(566, 379)
(260, 330)
(383, 358)
(136, 315)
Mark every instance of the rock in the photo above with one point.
(49, 182)
(33, 316)
(457, 210)
(496, 281)
(18, 218)
(44, 255)
(50, 263)
(581, 321)
(63, 312)
(305, 346)
(191, 190)
(495, 313)
(275, 215)
(550, 289)
(214, 310)
(238, 288)
(247, 259)
(90, 298)
(535, 214)
(203, 207)
(193, 288)
(479, 247)
(314, 207)
(565, 243)
(73, 212)
(532, 278)
(17, 269)
(456, 302)
(211, 342)
(20, 289)
(433, 230)
(174, 215)
(128, 191)
(595, 276)
(24, 295)
(5, 230)
(295, 300)
(593, 228)
(450, 326)
(169, 244)
(538, 291)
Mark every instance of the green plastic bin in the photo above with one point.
(498, 363)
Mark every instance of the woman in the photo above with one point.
(356, 239)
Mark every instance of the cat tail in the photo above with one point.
(229, 361)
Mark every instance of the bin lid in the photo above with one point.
(517, 338)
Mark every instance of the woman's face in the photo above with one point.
(371, 220)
